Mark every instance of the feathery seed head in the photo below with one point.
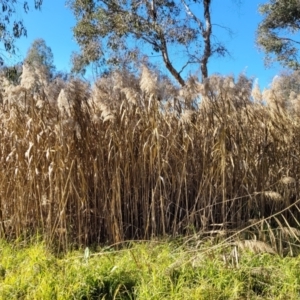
(273, 196)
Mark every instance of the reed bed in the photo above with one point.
(126, 160)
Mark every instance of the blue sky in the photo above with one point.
(55, 21)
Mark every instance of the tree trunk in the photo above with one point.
(206, 33)
(167, 62)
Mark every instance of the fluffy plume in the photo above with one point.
(255, 246)
(256, 93)
(273, 196)
(76, 93)
(190, 93)
(64, 103)
(148, 82)
(288, 180)
(34, 78)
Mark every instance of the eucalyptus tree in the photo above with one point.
(277, 33)
(108, 30)
(39, 54)
(11, 26)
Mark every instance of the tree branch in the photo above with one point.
(168, 64)
(206, 33)
(287, 39)
(206, 37)
(190, 13)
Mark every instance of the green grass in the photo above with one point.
(146, 270)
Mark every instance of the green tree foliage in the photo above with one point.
(13, 28)
(39, 54)
(109, 30)
(275, 34)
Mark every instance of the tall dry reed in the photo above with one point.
(120, 162)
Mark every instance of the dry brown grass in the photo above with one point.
(101, 166)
